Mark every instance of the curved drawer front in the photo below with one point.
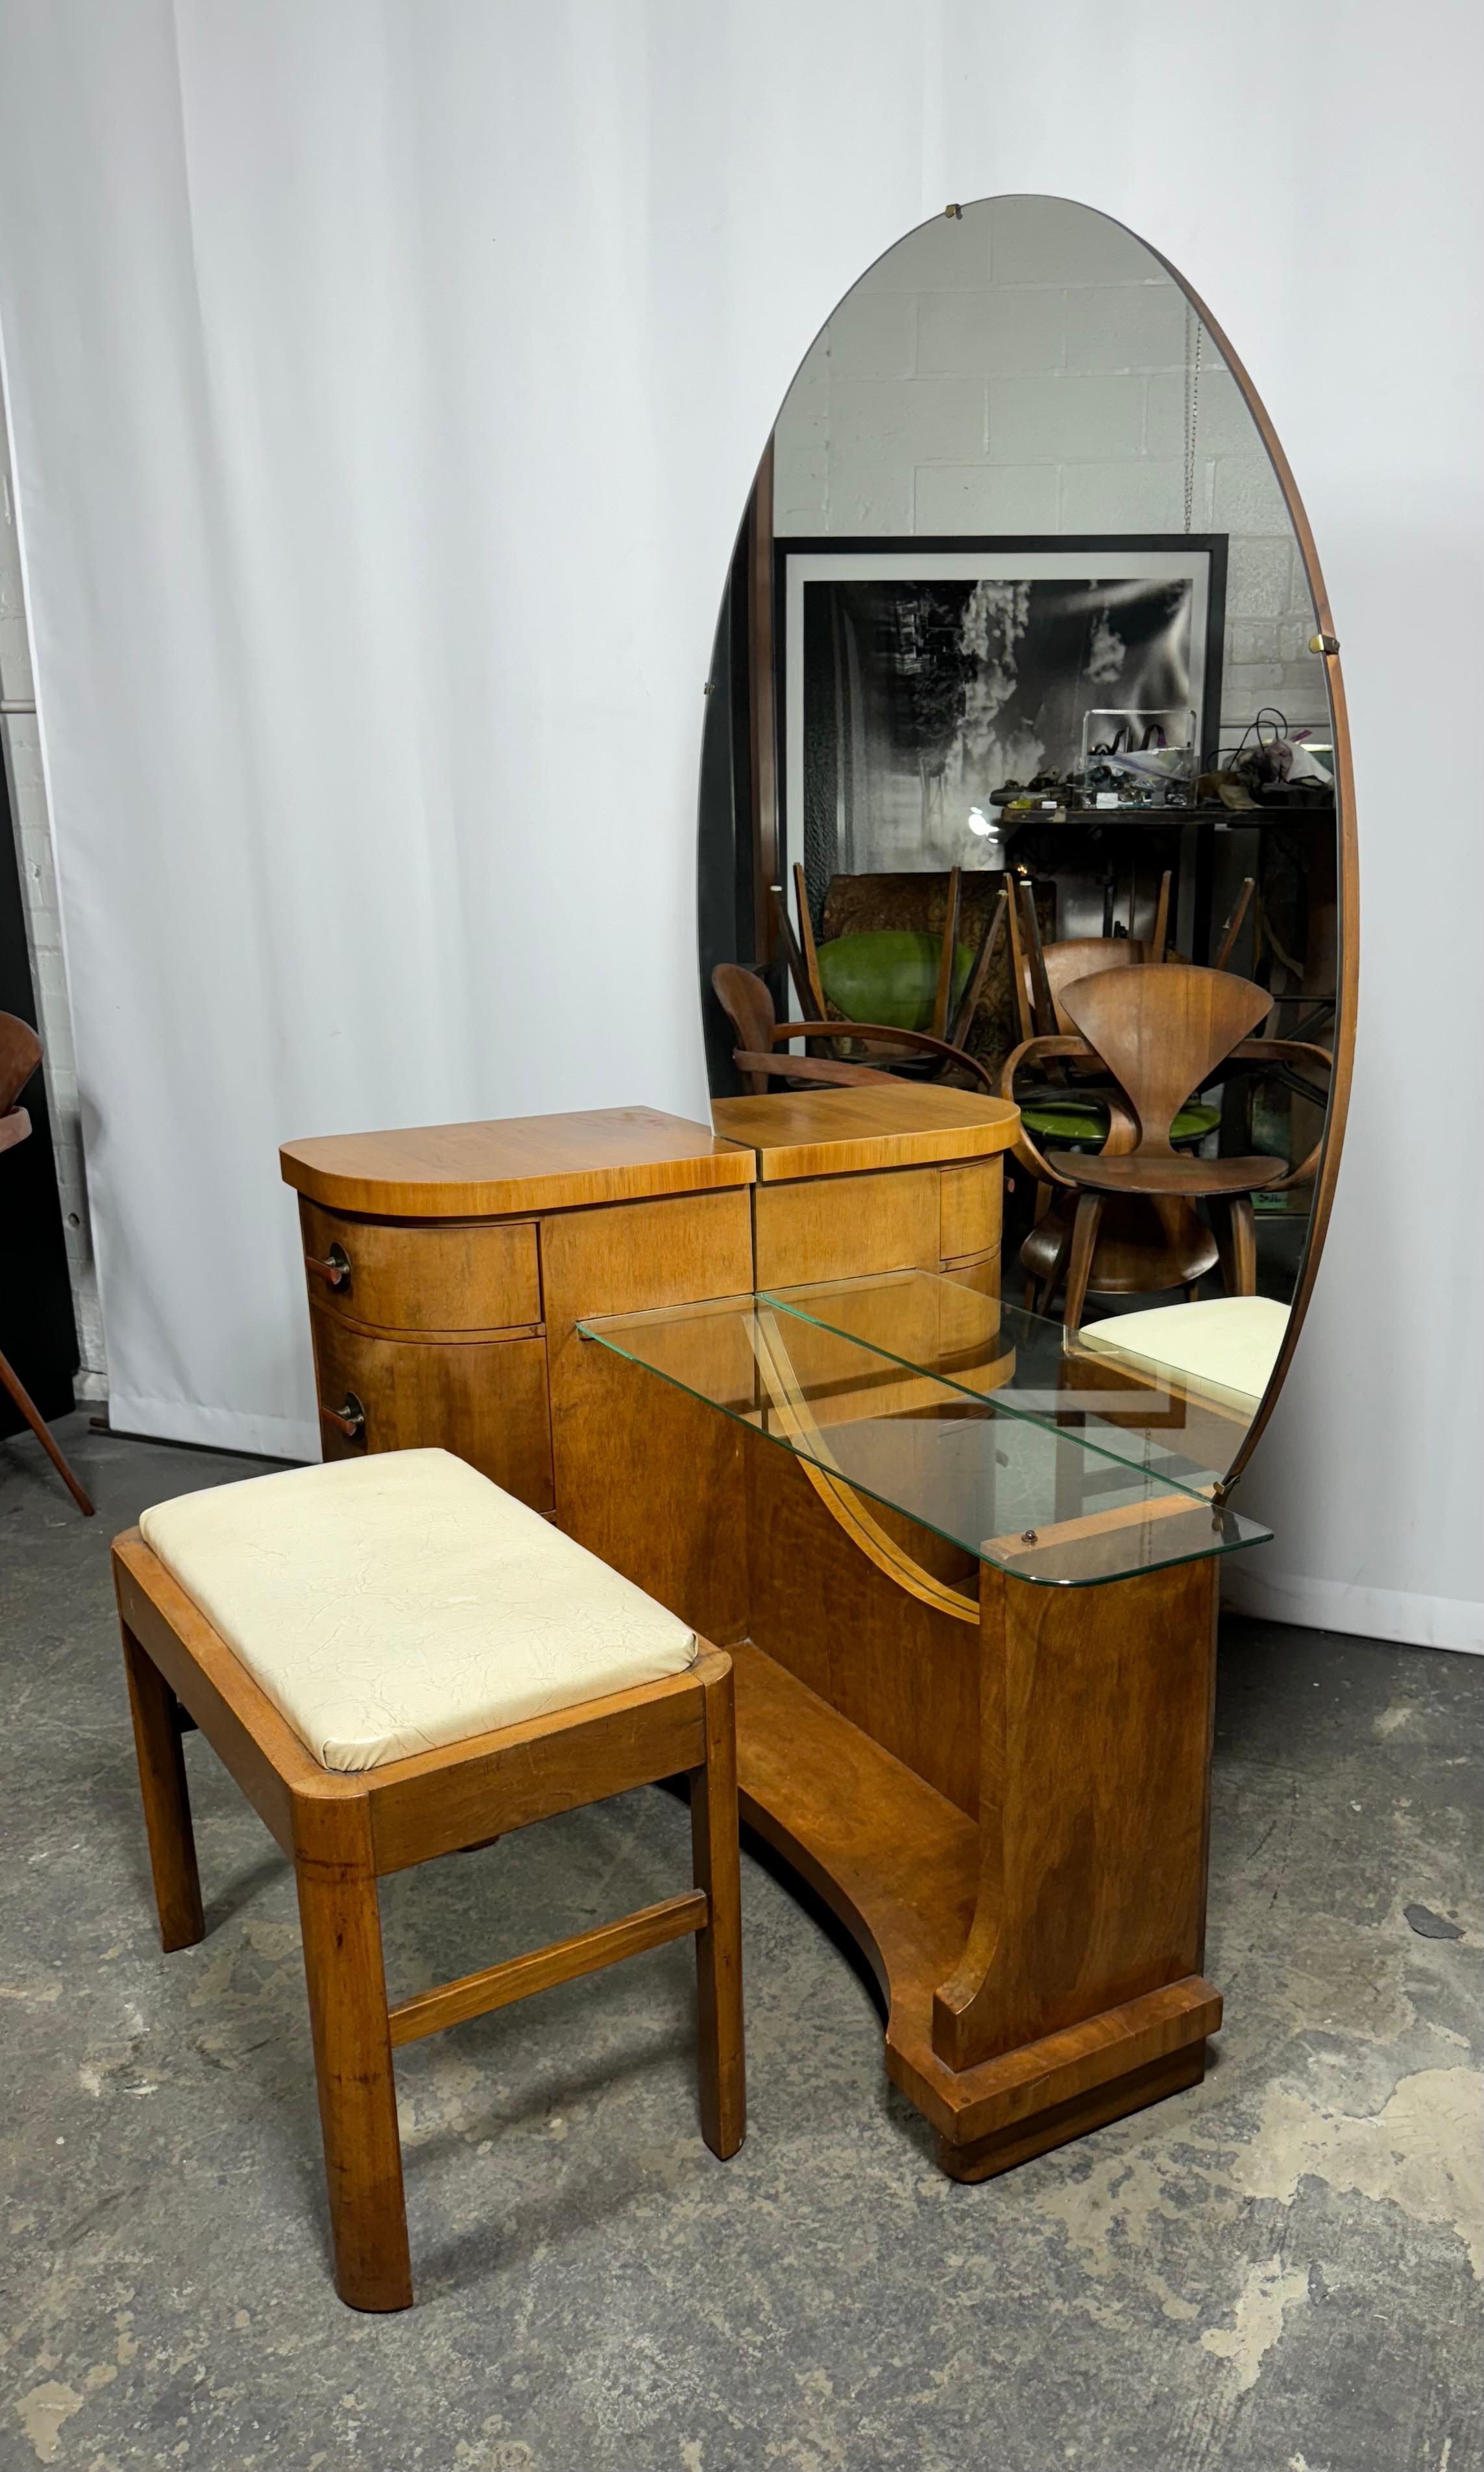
(970, 1204)
(485, 1400)
(423, 1275)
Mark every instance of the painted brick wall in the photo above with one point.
(22, 751)
(1024, 370)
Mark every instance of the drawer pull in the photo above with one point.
(349, 1416)
(334, 1269)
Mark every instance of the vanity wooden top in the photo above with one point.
(846, 1132)
(518, 1164)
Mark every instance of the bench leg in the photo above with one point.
(717, 1866)
(347, 2012)
(167, 1806)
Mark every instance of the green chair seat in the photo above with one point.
(1074, 1127)
(1082, 1123)
(889, 975)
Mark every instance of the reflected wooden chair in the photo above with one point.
(959, 976)
(1044, 972)
(803, 955)
(1074, 1109)
(745, 1001)
(20, 1054)
(1160, 1033)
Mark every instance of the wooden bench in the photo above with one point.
(397, 1660)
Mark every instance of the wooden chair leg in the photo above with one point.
(1039, 1300)
(43, 1432)
(718, 1869)
(347, 2010)
(167, 1805)
(1084, 1244)
(1238, 1244)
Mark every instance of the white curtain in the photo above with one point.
(386, 378)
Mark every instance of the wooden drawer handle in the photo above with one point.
(334, 1269)
(349, 1416)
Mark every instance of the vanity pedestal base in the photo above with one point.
(1039, 1963)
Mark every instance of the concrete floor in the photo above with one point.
(1277, 2272)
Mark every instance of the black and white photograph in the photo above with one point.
(921, 678)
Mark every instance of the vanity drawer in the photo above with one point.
(846, 1226)
(982, 1272)
(970, 1204)
(423, 1275)
(485, 1400)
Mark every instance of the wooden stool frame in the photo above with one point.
(345, 1832)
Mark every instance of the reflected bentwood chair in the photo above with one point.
(907, 998)
(762, 1052)
(20, 1053)
(1161, 1032)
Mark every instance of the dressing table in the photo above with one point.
(970, 1598)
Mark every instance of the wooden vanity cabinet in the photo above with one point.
(854, 1181)
(999, 1786)
(447, 1266)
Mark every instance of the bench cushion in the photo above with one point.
(397, 1603)
(1223, 1346)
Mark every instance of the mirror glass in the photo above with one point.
(1018, 730)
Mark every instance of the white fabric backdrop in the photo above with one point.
(385, 382)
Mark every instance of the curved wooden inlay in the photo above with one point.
(843, 1503)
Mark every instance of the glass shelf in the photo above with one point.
(979, 1346)
(969, 1438)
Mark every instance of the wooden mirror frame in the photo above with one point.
(1347, 936)
(756, 538)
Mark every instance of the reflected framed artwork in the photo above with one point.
(918, 676)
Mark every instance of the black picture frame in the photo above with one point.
(1205, 553)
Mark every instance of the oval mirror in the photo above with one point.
(1025, 733)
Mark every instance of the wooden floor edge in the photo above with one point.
(974, 2103)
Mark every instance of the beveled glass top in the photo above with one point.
(975, 1344)
(971, 1418)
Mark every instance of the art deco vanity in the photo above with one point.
(965, 1558)
(767, 1374)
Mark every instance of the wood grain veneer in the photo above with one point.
(841, 1132)
(485, 1400)
(426, 1280)
(514, 1167)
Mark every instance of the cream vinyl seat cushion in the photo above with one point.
(393, 1603)
(1224, 1347)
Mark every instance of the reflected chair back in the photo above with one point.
(1162, 1031)
(1079, 956)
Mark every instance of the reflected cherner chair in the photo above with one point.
(1161, 1032)
(1138, 1247)
(20, 1053)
